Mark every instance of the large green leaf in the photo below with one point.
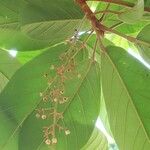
(6, 127)
(8, 66)
(79, 116)
(21, 96)
(144, 35)
(133, 15)
(51, 21)
(125, 84)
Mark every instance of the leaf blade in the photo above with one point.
(129, 115)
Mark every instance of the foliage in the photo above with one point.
(74, 67)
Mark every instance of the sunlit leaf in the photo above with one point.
(97, 141)
(144, 35)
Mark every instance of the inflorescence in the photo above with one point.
(54, 95)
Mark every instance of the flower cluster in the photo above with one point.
(55, 95)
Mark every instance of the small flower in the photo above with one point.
(37, 115)
(55, 100)
(45, 98)
(43, 117)
(68, 70)
(54, 140)
(67, 132)
(65, 99)
(48, 142)
(61, 92)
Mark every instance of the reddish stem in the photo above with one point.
(89, 14)
(100, 28)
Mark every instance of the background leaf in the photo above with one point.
(51, 21)
(10, 23)
(134, 14)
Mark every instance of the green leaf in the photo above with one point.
(144, 36)
(147, 3)
(51, 21)
(6, 127)
(104, 115)
(79, 116)
(125, 84)
(15, 39)
(3, 81)
(131, 28)
(97, 141)
(25, 86)
(11, 35)
(133, 15)
(9, 11)
(24, 57)
(8, 66)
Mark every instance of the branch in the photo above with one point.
(123, 3)
(98, 27)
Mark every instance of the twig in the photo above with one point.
(94, 50)
(87, 38)
(116, 25)
(103, 15)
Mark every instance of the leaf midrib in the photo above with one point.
(49, 21)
